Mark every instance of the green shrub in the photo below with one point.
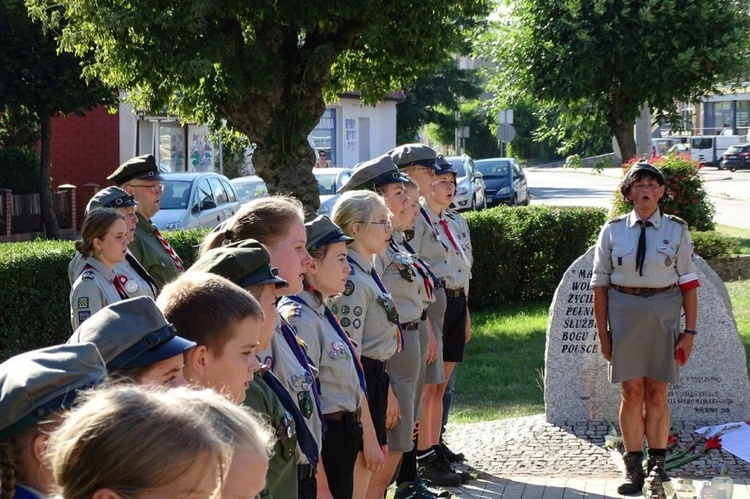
(521, 253)
(34, 298)
(19, 170)
(712, 244)
(684, 195)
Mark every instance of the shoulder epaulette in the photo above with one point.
(677, 219)
(618, 219)
(291, 310)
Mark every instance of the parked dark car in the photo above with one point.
(737, 156)
(505, 181)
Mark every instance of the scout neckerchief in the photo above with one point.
(305, 438)
(434, 230)
(456, 245)
(287, 331)
(334, 322)
(168, 248)
(379, 283)
(430, 280)
(118, 282)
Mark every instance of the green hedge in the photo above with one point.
(522, 253)
(34, 307)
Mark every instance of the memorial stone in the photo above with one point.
(713, 386)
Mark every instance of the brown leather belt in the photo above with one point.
(341, 415)
(642, 292)
(410, 326)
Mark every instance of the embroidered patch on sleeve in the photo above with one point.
(83, 302)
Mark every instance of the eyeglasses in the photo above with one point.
(153, 188)
(387, 225)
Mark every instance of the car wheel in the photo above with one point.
(527, 200)
(733, 169)
(720, 167)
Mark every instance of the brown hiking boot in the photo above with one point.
(634, 476)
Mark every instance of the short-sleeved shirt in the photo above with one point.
(297, 380)
(93, 290)
(281, 479)
(339, 384)
(669, 253)
(140, 286)
(463, 260)
(148, 250)
(402, 280)
(362, 312)
(428, 244)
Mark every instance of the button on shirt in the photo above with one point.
(339, 385)
(362, 315)
(395, 268)
(93, 290)
(148, 250)
(669, 253)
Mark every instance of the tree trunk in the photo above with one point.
(45, 190)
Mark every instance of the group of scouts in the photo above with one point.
(339, 335)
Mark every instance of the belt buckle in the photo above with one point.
(646, 293)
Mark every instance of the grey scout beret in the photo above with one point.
(110, 197)
(131, 333)
(413, 154)
(322, 231)
(443, 166)
(245, 263)
(37, 383)
(377, 171)
(643, 166)
(139, 167)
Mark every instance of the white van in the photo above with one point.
(708, 149)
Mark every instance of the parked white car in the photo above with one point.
(193, 200)
(330, 181)
(470, 188)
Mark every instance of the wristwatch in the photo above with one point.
(690, 331)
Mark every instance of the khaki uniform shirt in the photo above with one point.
(463, 259)
(669, 253)
(428, 244)
(361, 309)
(297, 381)
(93, 290)
(402, 280)
(340, 390)
(142, 287)
(148, 250)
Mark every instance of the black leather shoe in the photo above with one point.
(449, 454)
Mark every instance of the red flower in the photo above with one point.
(713, 442)
(673, 440)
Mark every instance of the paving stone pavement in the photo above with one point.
(528, 458)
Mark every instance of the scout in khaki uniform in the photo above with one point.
(342, 383)
(247, 264)
(140, 177)
(103, 244)
(36, 387)
(131, 269)
(136, 342)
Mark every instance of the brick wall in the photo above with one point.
(85, 149)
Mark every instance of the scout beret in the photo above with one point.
(443, 166)
(37, 383)
(377, 171)
(642, 167)
(413, 154)
(110, 197)
(245, 263)
(139, 167)
(322, 231)
(131, 333)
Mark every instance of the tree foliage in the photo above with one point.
(604, 58)
(38, 84)
(263, 66)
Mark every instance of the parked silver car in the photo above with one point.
(249, 188)
(192, 200)
(330, 180)
(470, 188)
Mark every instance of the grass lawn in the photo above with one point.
(502, 375)
(742, 236)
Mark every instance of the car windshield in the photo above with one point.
(176, 194)
(494, 168)
(458, 165)
(735, 149)
(326, 183)
(250, 190)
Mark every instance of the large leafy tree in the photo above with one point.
(264, 67)
(605, 58)
(38, 83)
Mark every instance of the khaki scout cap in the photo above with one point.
(35, 384)
(413, 154)
(139, 167)
(322, 231)
(131, 333)
(110, 197)
(245, 263)
(443, 166)
(377, 171)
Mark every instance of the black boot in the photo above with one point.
(658, 462)
(453, 457)
(634, 475)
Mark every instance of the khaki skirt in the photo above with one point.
(644, 332)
